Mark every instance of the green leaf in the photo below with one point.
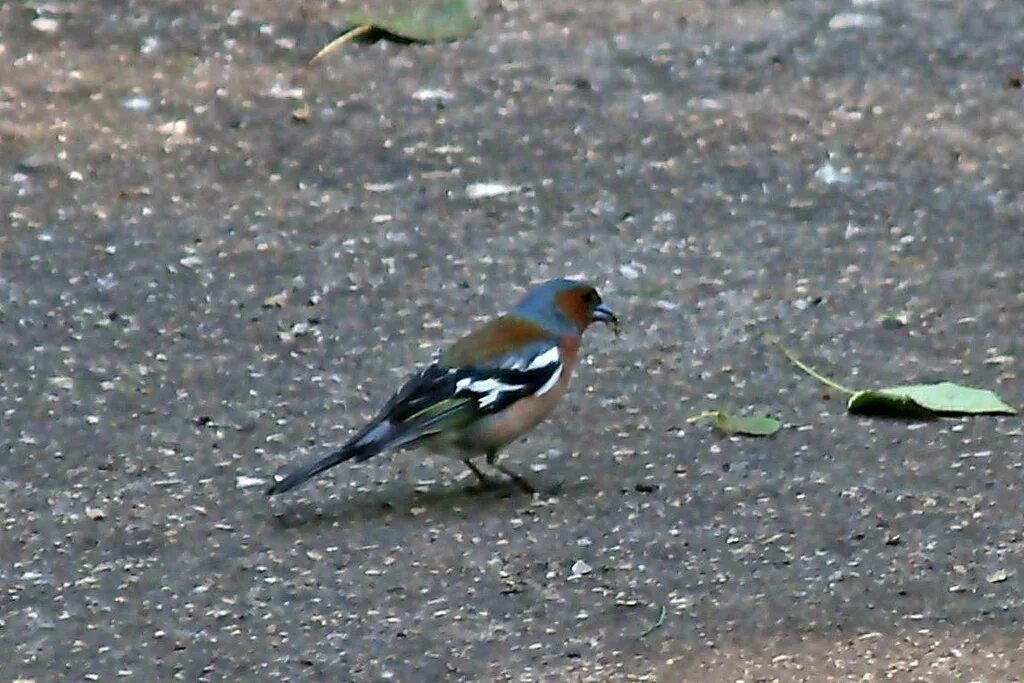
(927, 401)
(750, 426)
(425, 21)
(878, 402)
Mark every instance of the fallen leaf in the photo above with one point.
(921, 401)
(739, 424)
(747, 425)
(425, 21)
(421, 21)
(879, 403)
(928, 400)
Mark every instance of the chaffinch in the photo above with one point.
(486, 390)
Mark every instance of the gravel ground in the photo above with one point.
(198, 287)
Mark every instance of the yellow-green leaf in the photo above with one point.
(928, 401)
(748, 425)
(737, 424)
(426, 21)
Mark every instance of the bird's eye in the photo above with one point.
(592, 298)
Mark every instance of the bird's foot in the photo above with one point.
(483, 480)
(520, 481)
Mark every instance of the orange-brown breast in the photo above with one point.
(570, 348)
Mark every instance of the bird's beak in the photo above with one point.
(603, 314)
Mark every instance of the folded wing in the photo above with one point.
(450, 395)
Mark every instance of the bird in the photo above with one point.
(483, 392)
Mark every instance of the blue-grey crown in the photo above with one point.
(539, 306)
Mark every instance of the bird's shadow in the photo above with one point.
(398, 500)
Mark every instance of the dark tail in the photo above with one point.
(363, 447)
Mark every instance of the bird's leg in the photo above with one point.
(516, 477)
(492, 460)
(484, 481)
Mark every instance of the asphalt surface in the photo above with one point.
(198, 287)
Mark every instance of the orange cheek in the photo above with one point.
(572, 303)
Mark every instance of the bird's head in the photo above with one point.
(565, 307)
